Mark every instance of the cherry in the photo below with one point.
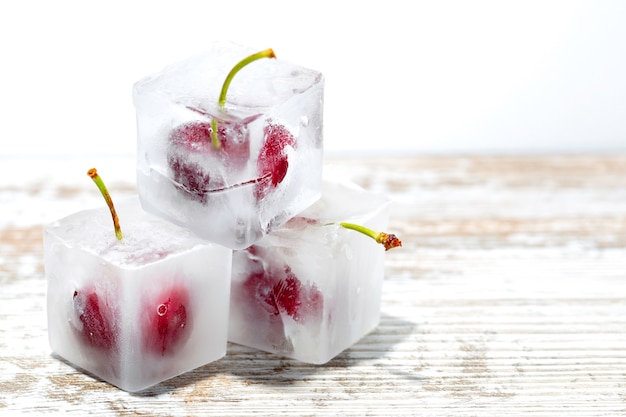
(98, 322)
(273, 161)
(97, 317)
(278, 290)
(191, 144)
(165, 321)
(300, 302)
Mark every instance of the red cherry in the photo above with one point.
(97, 319)
(273, 162)
(166, 322)
(301, 302)
(191, 176)
(279, 290)
(191, 141)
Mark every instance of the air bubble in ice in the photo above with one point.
(162, 310)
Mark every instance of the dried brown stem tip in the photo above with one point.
(388, 240)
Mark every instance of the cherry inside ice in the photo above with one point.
(166, 321)
(190, 149)
(273, 161)
(276, 289)
(97, 320)
(231, 143)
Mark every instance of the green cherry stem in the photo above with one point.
(93, 174)
(388, 240)
(268, 53)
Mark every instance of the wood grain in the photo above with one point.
(508, 298)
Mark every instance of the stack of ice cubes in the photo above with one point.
(234, 235)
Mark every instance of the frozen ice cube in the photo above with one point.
(311, 289)
(138, 311)
(269, 162)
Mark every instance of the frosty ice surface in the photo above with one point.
(261, 167)
(310, 289)
(138, 311)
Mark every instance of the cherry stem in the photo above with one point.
(388, 240)
(93, 174)
(268, 53)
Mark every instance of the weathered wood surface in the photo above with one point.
(508, 298)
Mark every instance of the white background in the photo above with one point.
(401, 76)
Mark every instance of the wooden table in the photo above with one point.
(508, 298)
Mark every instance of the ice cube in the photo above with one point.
(269, 162)
(311, 289)
(135, 311)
